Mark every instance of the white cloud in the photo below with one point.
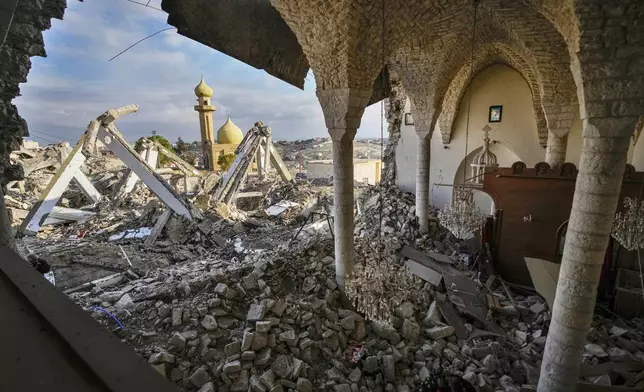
(76, 82)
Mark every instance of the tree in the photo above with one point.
(181, 148)
(138, 146)
(225, 161)
(195, 146)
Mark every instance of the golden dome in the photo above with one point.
(203, 90)
(229, 133)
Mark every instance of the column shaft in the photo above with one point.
(343, 205)
(422, 181)
(556, 149)
(597, 190)
(343, 109)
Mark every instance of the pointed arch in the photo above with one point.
(495, 53)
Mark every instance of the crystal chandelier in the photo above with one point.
(377, 286)
(628, 228)
(461, 217)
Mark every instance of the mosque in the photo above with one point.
(229, 136)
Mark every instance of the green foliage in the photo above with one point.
(138, 146)
(225, 161)
(181, 148)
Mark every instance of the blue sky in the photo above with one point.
(75, 83)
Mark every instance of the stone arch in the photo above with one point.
(496, 53)
(428, 65)
(542, 39)
(427, 71)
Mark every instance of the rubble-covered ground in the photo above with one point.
(234, 302)
(320, 149)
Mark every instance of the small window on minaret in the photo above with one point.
(205, 102)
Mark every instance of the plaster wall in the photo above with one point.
(636, 154)
(406, 155)
(515, 137)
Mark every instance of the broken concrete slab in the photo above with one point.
(544, 277)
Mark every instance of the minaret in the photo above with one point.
(205, 109)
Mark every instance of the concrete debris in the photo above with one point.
(269, 316)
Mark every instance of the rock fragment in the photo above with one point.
(255, 313)
(281, 366)
(209, 323)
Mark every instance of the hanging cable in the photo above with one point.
(141, 40)
(147, 5)
(6, 33)
(382, 138)
(469, 93)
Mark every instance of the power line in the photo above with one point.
(36, 134)
(141, 40)
(45, 139)
(147, 5)
(49, 134)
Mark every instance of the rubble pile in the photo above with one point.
(277, 322)
(40, 166)
(399, 224)
(239, 300)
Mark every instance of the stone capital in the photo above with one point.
(342, 135)
(343, 108)
(559, 118)
(609, 127)
(425, 117)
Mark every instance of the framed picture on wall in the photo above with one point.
(496, 112)
(409, 120)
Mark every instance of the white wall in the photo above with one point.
(406, 153)
(516, 135)
(636, 154)
(573, 152)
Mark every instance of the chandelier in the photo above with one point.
(628, 227)
(462, 218)
(378, 285)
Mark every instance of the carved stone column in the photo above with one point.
(343, 109)
(556, 149)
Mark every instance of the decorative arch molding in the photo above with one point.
(428, 67)
(496, 53)
(552, 58)
(538, 53)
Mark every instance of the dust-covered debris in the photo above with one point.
(241, 299)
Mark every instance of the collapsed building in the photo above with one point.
(380, 288)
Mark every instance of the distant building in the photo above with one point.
(30, 145)
(365, 171)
